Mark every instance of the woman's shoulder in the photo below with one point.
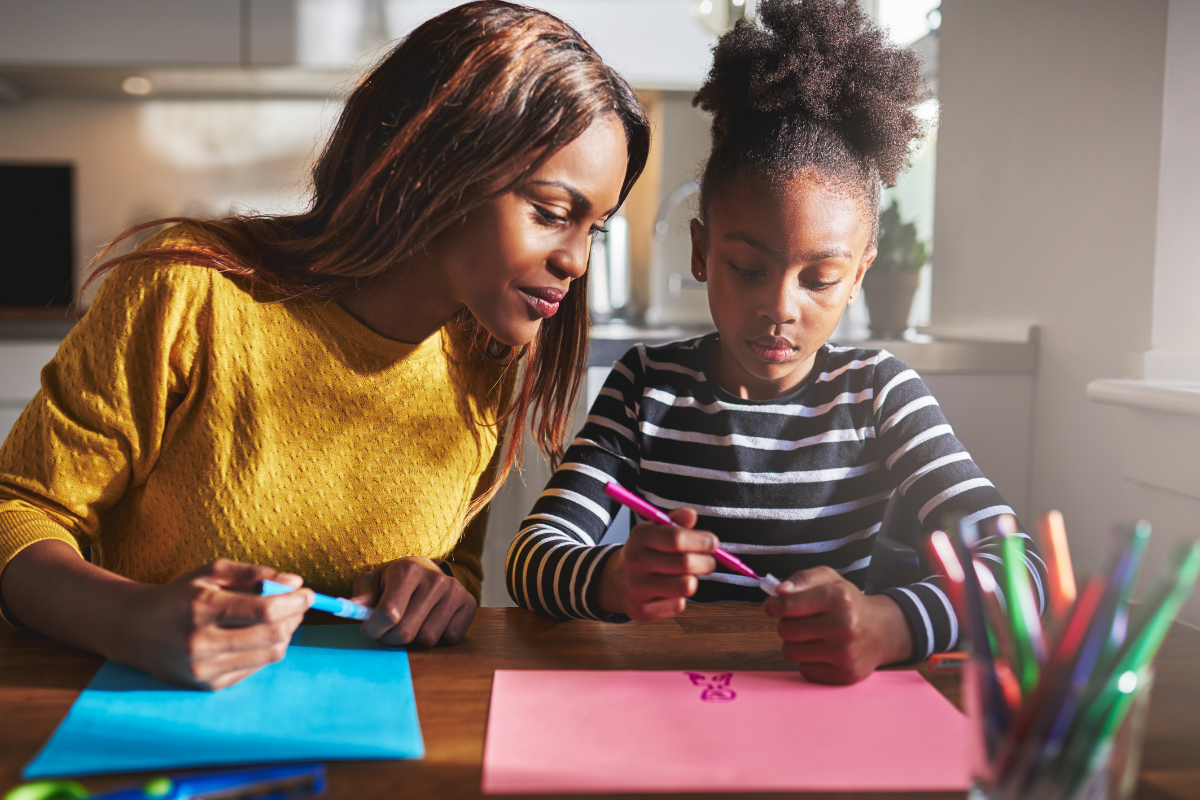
(178, 277)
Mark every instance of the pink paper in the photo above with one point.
(589, 731)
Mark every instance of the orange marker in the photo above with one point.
(1052, 538)
(943, 551)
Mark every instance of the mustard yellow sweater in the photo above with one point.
(187, 418)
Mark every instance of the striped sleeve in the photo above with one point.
(940, 481)
(554, 563)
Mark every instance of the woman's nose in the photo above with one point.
(572, 258)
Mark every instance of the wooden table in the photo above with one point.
(39, 680)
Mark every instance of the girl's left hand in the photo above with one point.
(833, 631)
(415, 603)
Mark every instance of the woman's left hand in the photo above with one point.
(415, 603)
(833, 631)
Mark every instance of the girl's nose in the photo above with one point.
(781, 307)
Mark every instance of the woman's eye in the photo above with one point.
(547, 216)
(598, 229)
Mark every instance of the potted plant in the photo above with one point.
(891, 282)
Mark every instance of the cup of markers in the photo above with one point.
(1058, 701)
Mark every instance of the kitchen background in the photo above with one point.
(1056, 149)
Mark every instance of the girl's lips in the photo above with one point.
(543, 300)
(772, 350)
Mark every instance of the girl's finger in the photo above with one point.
(663, 587)
(656, 561)
(679, 540)
(661, 609)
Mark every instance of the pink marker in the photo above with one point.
(636, 504)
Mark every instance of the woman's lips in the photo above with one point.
(772, 350)
(544, 300)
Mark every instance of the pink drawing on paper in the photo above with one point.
(716, 688)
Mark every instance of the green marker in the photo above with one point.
(1105, 716)
(1022, 614)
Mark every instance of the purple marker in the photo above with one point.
(636, 504)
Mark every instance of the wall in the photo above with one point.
(136, 161)
(1047, 189)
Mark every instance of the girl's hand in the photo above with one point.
(833, 631)
(207, 629)
(415, 603)
(653, 574)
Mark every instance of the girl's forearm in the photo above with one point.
(48, 588)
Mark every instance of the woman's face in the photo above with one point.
(781, 266)
(512, 260)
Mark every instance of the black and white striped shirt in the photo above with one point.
(786, 484)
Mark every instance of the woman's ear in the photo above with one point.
(699, 251)
(864, 265)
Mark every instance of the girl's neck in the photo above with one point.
(733, 378)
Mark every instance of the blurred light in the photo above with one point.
(706, 7)
(136, 84)
(1127, 682)
(935, 19)
(739, 3)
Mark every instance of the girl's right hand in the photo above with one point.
(655, 572)
(207, 629)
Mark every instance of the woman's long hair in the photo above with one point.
(423, 141)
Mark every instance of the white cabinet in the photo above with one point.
(21, 363)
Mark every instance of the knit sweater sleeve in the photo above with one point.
(938, 478)
(94, 429)
(555, 561)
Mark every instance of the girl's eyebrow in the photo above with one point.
(581, 200)
(758, 244)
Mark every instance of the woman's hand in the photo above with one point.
(209, 628)
(415, 603)
(833, 631)
(653, 574)
(205, 629)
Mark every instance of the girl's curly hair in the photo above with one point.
(811, 84)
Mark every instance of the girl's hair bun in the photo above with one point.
(815, 66)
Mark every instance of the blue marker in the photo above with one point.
(337, 606)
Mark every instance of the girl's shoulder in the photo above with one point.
(859, 366)
(686, 359)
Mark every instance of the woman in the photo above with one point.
(318, 399)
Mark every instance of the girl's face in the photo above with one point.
(512, 260)
(781, 266)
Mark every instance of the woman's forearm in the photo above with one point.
(48, 588)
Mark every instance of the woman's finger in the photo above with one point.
(434, 626)
(456, 629)
(235, 609)
(424, 600)
(236, 576)
(212, 641)
(396, 590)
(209, 672)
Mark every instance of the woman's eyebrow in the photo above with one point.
(581, 200)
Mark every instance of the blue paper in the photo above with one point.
(336, 695)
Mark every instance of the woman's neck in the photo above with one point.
(407, 303)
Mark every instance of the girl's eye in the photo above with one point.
(745, 273)
(820, 286)
(547, 216)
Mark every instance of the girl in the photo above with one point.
(763, 436)
(321, 394)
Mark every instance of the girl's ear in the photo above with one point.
(700, 251)
(864, 265)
